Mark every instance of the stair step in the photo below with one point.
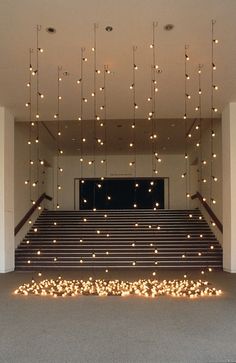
(168, 235)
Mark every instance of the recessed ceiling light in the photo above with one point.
(168, 27)
(109, 28)
(51, 30)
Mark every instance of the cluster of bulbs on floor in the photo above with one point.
(100, 287)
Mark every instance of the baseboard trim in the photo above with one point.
(230, 271)
(6, 271)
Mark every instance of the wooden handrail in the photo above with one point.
(31, 211)
(209, 210)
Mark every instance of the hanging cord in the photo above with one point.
(58, 139)
(29, 105)
(105, 72)
(96, 117)
(200, 126)
(135, 107)
(81, 119)
(213, 110)
(186, 97)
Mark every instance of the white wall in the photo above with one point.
(229, 182)
(205, 188)
(6, 191)
(22, 197)
(171, 166)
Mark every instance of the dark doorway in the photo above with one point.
(122, 193)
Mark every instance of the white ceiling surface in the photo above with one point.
(117, 136)
(132, 25)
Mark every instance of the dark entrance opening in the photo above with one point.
(122, 193)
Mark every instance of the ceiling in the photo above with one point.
(118, 134)
(132, 25)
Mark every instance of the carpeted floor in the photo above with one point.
(36, 329)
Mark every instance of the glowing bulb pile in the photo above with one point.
(101, 287)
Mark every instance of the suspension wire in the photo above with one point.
(58, 139)
(81, 119)
(29, 181)
(200, 66)
(135, 106)
(186, 96)
(38, 29)
(95, 105)
(213, 109)
(106, 70)
(154, 90)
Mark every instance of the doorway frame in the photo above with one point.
(166, 186)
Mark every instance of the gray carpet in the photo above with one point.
(117, 329)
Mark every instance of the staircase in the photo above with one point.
(119, 239)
